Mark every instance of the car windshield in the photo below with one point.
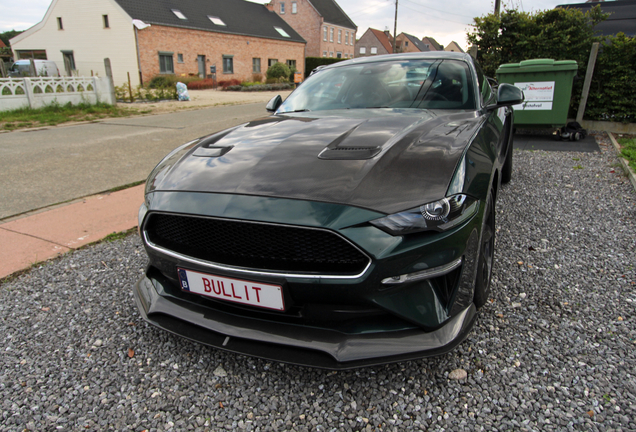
(417, 84)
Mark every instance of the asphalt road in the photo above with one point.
(44, 167)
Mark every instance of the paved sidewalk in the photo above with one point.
(40, 236)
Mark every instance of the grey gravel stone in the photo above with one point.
(562, 360)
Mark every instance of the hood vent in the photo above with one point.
(212, 151)
(349, 153)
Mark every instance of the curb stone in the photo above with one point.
(630, 172)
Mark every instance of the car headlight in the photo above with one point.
(440, 215)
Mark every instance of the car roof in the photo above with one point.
(430, 55)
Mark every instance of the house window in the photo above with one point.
(339, 55)
(228, 64)
(363, 50)
(165, 63)
(331, 54)
(331, 34)
(324, 53)
(59, 23)
(339, 36)
(105, 19)
(270, 62)
(69, 62)
(406, 43)
(216, 20)
(178, 13)
(374, 50)
(294, 7)
(282, 8)
(324, 33)
(179, 58)
(256, 65)
(291, 64)
(347, 38)
(281, 32)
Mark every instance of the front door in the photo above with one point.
(201, 61)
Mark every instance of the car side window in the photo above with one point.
(484, 86)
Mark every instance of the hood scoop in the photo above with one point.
(347, 151)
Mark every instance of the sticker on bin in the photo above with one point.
(537, 95)
(235, 290)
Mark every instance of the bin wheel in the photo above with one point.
(557, 135)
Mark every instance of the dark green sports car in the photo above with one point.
(352, 227)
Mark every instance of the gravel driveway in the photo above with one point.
(554, 350)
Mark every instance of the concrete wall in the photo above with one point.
(84, 34)
(16, 93)
(192, 43)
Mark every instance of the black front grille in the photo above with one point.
(256, 246)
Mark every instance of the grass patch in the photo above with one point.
(55, 114)
(126, 186)
(577, 167)
(118, 235)
(628, 150)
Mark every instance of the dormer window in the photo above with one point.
(178, 13)
(216, 20)
(282, 32)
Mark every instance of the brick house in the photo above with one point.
(431, 44)
(374, 42)
(405, 42)
(328, 30)
(147, 38)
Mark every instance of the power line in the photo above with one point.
(443, 19)
(438, 10)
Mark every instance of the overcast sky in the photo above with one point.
(445, 21)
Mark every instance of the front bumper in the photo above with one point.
(289, 343)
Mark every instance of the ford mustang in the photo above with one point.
(355, 225)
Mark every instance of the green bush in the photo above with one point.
(278, 70)
(613, 88)
(312, 63)
(162, 81)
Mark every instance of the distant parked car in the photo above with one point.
(42, 67)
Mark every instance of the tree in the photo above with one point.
(5, 36)
(559, 34)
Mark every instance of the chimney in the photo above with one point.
(270, 6)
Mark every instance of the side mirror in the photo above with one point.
(507, 95)
(274, 103)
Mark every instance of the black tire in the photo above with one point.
(506, 170)
(486, 254)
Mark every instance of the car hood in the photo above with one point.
(379, 159)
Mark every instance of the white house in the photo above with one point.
(72, 30)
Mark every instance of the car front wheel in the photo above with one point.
(486, 254)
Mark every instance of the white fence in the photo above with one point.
(38, 92)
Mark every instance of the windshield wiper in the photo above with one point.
(298, 110)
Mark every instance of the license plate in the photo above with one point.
(235, 290)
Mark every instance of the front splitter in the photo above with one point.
(290, 343)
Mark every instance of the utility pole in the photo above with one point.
(497, 7)
(395, 26)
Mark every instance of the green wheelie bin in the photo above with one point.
(547, 87)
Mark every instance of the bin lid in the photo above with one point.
(537, 65)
